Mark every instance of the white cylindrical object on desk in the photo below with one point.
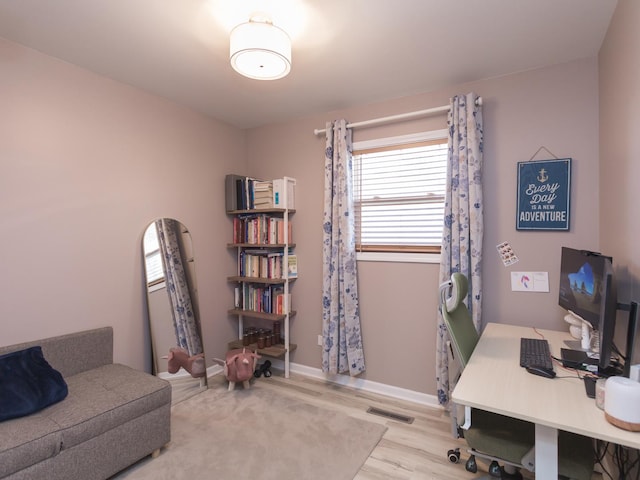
(622, 403)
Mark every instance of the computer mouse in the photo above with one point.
(543, 372)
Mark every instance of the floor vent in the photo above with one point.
(391, 415)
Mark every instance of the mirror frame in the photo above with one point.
(176, 337)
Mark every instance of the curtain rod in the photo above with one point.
(399, 117)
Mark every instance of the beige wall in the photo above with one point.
(86, 164)
(620, 150)
(555, 107)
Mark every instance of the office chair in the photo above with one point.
(490, 436)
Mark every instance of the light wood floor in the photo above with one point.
(406, 451)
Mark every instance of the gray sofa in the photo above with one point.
(112, 416)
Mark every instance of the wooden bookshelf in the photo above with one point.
(275, 259)
(274, 317)
(256, 211)
(266, 281)
(276, 351)
(261, 245)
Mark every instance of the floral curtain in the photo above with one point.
(342, 348)
(463, 220)
(184, 320)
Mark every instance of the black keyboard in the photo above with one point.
(534, 352)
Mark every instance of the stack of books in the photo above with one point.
(262, 194)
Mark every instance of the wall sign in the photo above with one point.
(544, 192)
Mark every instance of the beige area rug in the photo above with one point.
(261, 434)
(184, 387)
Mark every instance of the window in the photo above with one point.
(399, 188)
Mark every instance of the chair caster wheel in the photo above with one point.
(495, 470)
(471, 465)
(454, 455)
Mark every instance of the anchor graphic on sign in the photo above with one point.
(542, 175)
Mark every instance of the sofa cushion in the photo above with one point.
(104, 398)
(27, 440)
(28, 383)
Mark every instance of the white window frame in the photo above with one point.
(399, 257)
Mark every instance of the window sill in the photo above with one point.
(398, 257)
(157, 286)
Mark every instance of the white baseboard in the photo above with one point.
(344, 380)
(363, 384)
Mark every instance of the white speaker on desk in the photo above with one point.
(622, 403)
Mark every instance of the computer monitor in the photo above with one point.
(588, 291)
(607, 320)
(632, 332)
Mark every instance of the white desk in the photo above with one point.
(493, 380)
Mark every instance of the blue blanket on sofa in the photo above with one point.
(28, 383)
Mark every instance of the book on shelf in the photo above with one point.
(277, 298)
(260, 264)
(249, 194)
(263, 299)
(239, 192)
(279, 304)
(292, 269)
(260, 229)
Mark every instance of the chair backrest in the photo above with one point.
(457, 318)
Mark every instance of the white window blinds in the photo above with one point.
(399, 196)
(153, 260)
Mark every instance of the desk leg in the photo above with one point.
(546, 452)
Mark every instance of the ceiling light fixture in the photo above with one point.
(260, 50)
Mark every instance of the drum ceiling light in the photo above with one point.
(260, 50)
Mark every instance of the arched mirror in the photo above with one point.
(172, 304)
